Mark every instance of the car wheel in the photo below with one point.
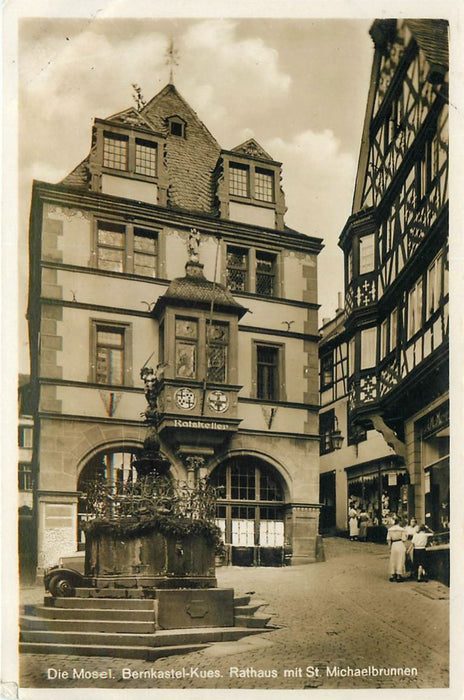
(61, 587)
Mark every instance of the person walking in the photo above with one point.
(353, 522)
(396, 537)
(420, 541)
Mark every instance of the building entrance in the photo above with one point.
(250, 511)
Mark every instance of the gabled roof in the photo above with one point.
(131, 117)
(252, 148)
(171, 95)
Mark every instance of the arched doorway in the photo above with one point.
(250, 511)
(116, 466)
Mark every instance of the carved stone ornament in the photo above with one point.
(185, 398)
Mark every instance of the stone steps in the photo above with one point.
(121, 652)
(113, 603)
(32, 622)
(252, 621)
(90, 613)
(249, 609)
(125, 627)
(160, 639)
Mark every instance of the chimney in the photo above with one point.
(339, 308)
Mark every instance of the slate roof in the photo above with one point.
(80, 176)
(432, 38)
(196, 290)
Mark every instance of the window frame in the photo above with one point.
(129, 251)
(254, 169)
(105, 129)
(176, 121)
(25, 477)
(368, 352)
(110, 325)
(326, 428)
(327, 358)
(252, 256)
(279, 371)
(435, 286)
(23, 431)
(415, 308)
(366, 264)
(211, 344)
(187, 341)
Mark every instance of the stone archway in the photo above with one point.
(115, 465)
(251, 510)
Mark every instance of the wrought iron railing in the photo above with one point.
(149, 496)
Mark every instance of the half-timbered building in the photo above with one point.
(395, 243)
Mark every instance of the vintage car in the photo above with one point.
(63, 578)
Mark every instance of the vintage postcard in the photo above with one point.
(230, 305)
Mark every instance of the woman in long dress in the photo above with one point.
(363, 524)
(396, 537)
(353, 522)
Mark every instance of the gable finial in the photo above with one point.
(172, 59)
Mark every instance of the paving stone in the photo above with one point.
(339, 613)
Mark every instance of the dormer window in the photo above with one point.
(145, 158)
(176, 126)
(115, 148)
(264, 185)
(239, 180)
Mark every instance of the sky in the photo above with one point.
(298, 86)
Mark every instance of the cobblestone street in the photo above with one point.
(341, 614)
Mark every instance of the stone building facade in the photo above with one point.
(162, 250)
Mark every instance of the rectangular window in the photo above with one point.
(327, 371)
(351, 355)
(265, 273)
(239, 180)
(264, 185)
(384, 346)
(393, 328)
(434, 284)
(267, 372)
(145, 158)
(186, 347)
(25, 477)
(243, 485)
(326, 428)
(218, 341)
(109, 355)
(349, 266)
(115, 151)
(368, 347)
(415, 309)
(126, 249)
(145, 253)
(24, 437)
(366, 253)
(237, 269)
(111, 245)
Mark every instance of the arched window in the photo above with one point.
(250, 505)
(116, 466)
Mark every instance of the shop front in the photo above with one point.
(382, 489)
(434, 435)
